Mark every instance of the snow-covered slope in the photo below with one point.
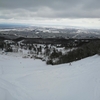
(29, 79)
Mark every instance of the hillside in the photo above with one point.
(29, 79)
(45, 33)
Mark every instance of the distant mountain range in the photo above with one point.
(27, 31)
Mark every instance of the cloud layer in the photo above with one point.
(49, 9)
(53, 8)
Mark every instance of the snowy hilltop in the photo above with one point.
(45, 70)
(32, 79)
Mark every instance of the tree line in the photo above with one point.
(81, 52)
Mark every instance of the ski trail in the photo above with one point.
(96, 89)
(16, 92)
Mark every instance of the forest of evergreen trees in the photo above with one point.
(53, 56)
(83, 51)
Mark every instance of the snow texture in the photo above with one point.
(29, 79)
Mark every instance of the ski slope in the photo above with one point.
(29, 79)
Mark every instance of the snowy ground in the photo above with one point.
(29, 79)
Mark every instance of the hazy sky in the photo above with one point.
(80, 13)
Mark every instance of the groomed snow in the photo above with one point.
(29, 79)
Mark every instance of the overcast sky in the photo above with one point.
(82, 13)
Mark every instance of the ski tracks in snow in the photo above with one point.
(14, 90)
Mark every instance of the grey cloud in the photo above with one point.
(59, 4)
(50, 8)
(92, 5)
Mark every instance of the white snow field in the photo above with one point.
(29, 79)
